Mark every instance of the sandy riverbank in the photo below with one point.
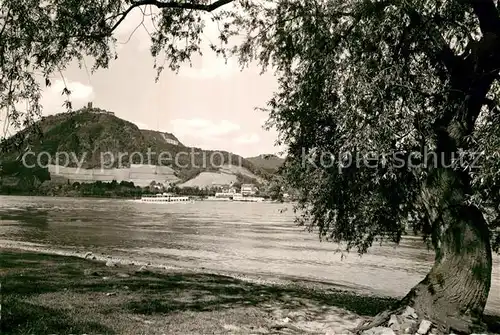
(45, 293)
(80, 293)
(139, 261)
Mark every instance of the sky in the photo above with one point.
(211, 105)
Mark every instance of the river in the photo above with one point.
(245, 238)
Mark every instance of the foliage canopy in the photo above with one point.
(367, 90)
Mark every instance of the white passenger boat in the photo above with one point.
(164, 198)
(235, 198)
(218, 199)
(247, 199)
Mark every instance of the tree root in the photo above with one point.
(455, 325)
(378, 320)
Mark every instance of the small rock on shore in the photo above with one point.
(405, 323)
(110, 263)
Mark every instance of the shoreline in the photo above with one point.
(99, 294)
(155, 300)
(266, 279)
(95, 197)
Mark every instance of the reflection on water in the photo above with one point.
(241, 237)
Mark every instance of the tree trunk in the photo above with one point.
(454, 293)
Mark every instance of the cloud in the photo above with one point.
(247, 139)
(203, 128)
(78, 90)
(53, 99)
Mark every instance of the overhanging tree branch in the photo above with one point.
(185, 5)
(487, 14)
(172, 4)
(438, 43)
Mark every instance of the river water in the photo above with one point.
(243, 238)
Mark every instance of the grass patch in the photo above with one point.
(47, 294)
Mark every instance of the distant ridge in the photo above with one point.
(91, 132)
(268, 162)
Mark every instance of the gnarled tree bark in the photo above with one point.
(454, 293)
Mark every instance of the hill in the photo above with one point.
(92, 144)
(269, 163)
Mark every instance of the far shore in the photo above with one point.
(45, 293)
(198, 198)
